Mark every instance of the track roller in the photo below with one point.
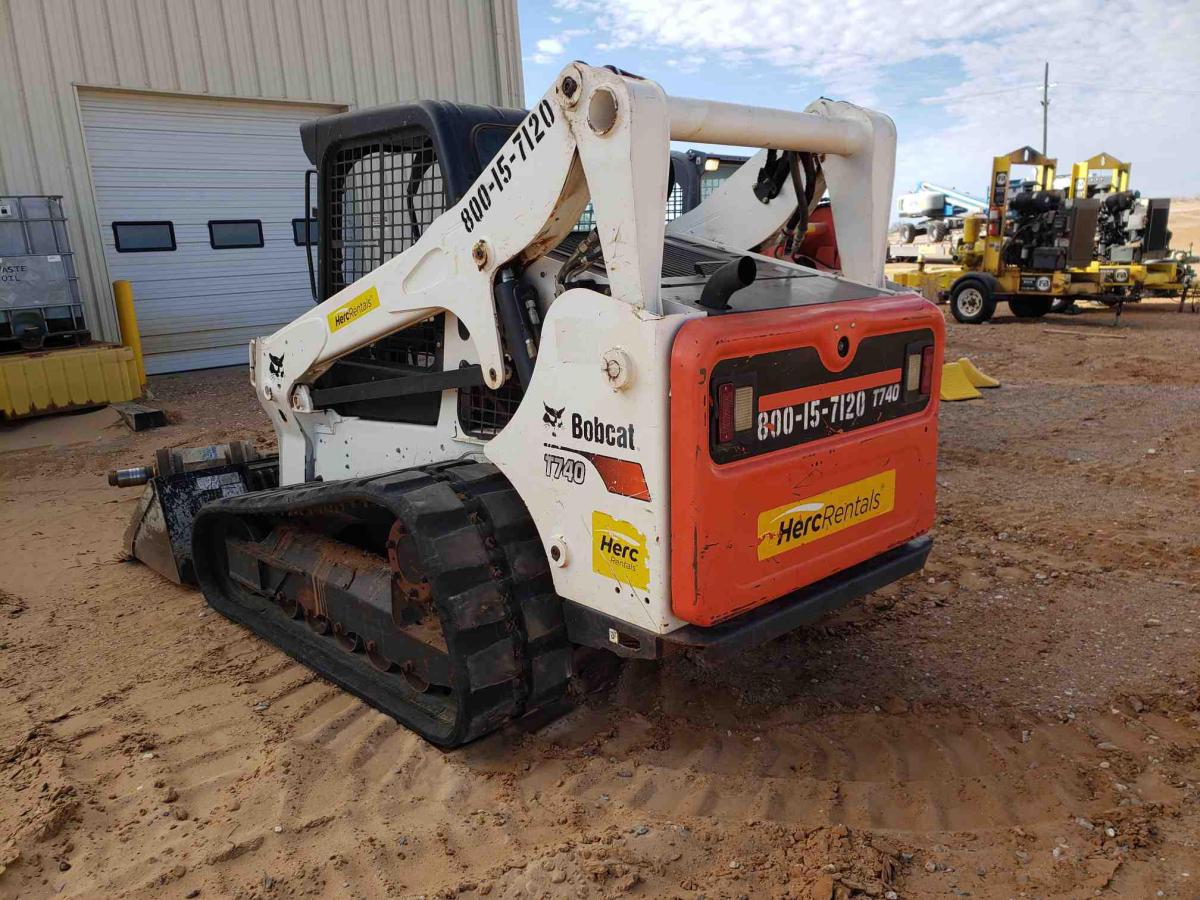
(436, 575)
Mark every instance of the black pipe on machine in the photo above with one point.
(727, 281)
(518, 337)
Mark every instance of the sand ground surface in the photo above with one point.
(1185, 224)
(1021, 719)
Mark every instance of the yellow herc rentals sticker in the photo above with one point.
(353, 310)
(619, 551)
(804, 521)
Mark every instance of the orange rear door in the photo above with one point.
(803, 442)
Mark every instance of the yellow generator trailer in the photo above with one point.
(1035, 249)
(1132, 237)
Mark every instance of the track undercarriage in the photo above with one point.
(425, 592)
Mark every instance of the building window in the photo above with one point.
(235, 234)
(143, 237)
(298, 232)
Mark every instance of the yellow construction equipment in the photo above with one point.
(1082, 184)
(1035, 249)
(1132, 238)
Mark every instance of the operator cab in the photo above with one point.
(383, 175)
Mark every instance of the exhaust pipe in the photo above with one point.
(727, 281)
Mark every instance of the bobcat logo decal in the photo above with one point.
(276, 368)
(553, 417)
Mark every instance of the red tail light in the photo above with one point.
(724, 413)
(927, 369)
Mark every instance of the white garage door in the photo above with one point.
(196, 200)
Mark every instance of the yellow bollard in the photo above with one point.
(127, 319)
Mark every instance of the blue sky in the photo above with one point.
(962, 82)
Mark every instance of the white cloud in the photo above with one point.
(551, 49)
(687, 64)
(1133, 92)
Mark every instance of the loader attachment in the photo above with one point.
(176, 486)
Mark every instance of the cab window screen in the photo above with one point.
(381, 198)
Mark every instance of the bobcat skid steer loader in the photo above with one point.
(505, 444)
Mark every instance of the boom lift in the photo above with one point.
(499, 452)
(942, 209)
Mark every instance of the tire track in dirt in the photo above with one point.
(926, 773)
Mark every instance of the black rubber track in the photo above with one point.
(506, 642)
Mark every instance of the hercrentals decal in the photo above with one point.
(353, 310)
(619, 551)
(804, 521)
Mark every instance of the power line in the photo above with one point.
(1108, 89)
(1007, 90)
(1114, 90)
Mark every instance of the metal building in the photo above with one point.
(170, 129)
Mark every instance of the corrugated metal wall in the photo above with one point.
(346, 52)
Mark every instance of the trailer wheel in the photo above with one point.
(972, 301)
(907, 233)
(1029, 307)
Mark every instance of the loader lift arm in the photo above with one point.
(596, 133)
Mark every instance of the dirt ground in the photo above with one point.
(1185, 224)
(1022, 719)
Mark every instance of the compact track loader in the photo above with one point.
(505, 445)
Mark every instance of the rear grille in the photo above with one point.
(381, 195)
(680, 261)
(417, 347)
(482, 412)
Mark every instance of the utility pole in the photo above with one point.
(1045, 106)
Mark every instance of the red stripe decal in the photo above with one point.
(783, 399)
(620, 476)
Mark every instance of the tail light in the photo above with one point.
(735, 410)
(725, 413)
(927, 369)
(918, 370)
